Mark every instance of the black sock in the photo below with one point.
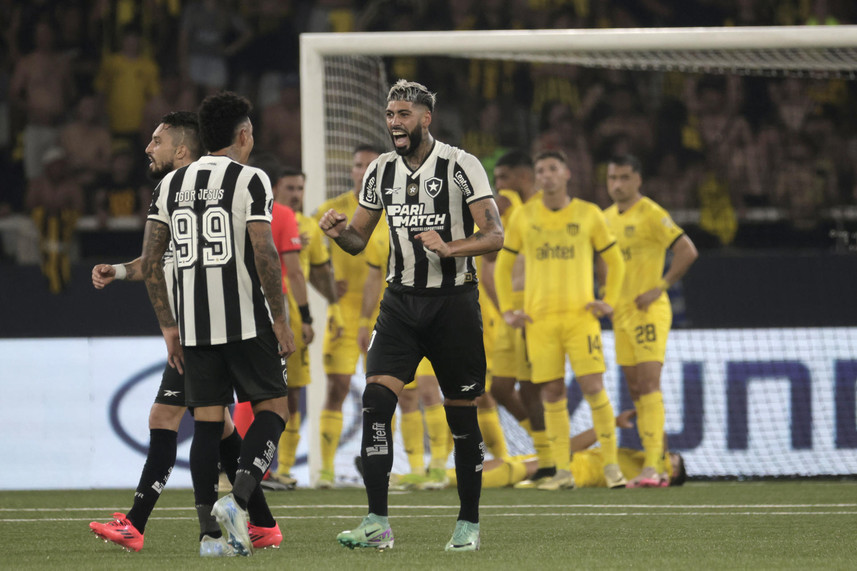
(379, 404)
(469, 454)
(204, 453)
(156, 471)
(257, 508)
(257, 453)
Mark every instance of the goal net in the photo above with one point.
(740, 403)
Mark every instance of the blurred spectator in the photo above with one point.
(87, 143)
(41, 90)
(717, 214)
(559, 131)
(625, 118)
(280, 129)
(121, 193)
(211, 32)
(272, 53)
(128, 79)
(727, 138)
(805, 184)
(176, 95)
(55, 202)
(672, 183)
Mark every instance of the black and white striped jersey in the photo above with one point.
(434, 197)
(207, 205)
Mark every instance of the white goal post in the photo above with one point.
(814, 51)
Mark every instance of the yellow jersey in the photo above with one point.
(345, 266)
(643, 232)
(558, 248)
(314, 251)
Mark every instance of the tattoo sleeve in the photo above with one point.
(356, 235)
(134, 271)
(268, 267)
(155, 240)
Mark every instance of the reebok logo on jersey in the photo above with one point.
(413, 216)
(392, 190)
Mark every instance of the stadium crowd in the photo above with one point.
(721, 147)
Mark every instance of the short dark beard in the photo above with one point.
(415, 137)
(158, 175)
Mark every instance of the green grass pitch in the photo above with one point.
(724, 525)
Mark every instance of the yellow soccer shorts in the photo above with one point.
(510, 353)
(297, 365)
(549, 340)
(341, 354)
(641, 336)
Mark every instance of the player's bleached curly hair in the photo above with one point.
(404, 90)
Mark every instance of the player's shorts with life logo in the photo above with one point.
(550, 339)
(641, 336)
(446, 328)
(252, 367)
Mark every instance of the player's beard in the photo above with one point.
(415, 137)
(156, 174)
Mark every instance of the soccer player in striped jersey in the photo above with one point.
(642, 315)
(230, 330)
(175, 143)
(557, 236)
(424, 389)
(432, 194)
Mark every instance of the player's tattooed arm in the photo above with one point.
(268, 267)
(354, 237)
(134, 270)
(489, 236)
(155, 240)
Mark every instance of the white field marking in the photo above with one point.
(542, 514)
(483, 506)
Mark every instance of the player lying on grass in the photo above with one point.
(587, 463)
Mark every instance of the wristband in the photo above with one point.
(121, 272)
(366, 322)
(305, 316)
(664, 285)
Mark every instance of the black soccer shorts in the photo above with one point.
(252, 367)
(445, 328)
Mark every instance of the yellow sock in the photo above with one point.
(557, 432)
(650, 426)
(413, 435)
(544, 452)
(492, 433)
(331, 430)
(605, 425)
(438, 433)
(289, 444)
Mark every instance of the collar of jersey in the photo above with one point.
(434, 148)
